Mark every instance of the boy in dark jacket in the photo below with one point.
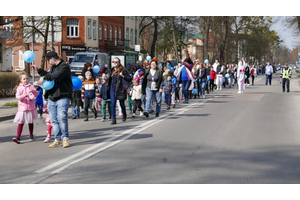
(105, 100)
(76, 103)
(169, 90)
(88, 92)
(39, 99)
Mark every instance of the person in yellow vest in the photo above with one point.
(285, 77)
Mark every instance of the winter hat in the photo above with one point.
(153, 60)
(88, 72)
(140, 72)
(137, 79)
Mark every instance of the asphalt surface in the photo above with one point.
(227, 138)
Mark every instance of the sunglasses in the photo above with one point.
(115, 61)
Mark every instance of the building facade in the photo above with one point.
(131, 34)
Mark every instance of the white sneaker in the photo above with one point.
(217, 88)
(200, 97)
(103, 120)
(239, 92)
(220, 88)
(203, 96)
(48, 139)
(133, 114)
(141, 113)
(120, 113)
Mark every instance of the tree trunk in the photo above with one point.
(205, 55)
(45, 42)
(27, 65)
(174, 39)
(154, 38)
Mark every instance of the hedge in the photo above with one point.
(8, 81)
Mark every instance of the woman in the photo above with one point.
(152, 86)
(116, 87)
(185, 76)
(195, 71)
(88, 67)
(253, 73)
(202, 77)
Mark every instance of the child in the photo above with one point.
(103, 96)
(213, 76)
(88, 92)
(82, 80)
(174, 80)
(137, 96)
(47, 120)
(169, 90)
(76, 103)
(39, 99)
(26, 95)
(98, 100)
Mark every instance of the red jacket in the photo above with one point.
(213, 75)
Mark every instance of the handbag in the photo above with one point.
(127, 86)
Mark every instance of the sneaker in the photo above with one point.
(200, 96)
(203, 96)
(55, 144)
(109, 119)
(103, 120)
(31, 138)
(239, 92)
(120, 113)
(41, 116)
(168, 108)
(16, 140)
(141, 113)
(146, 114)
(133, 114)
(130, 112)
(48, 139)
(66, 142)
(173, 105)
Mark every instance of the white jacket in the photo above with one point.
(241, 71)
(136, 92)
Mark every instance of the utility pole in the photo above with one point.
(32, 47)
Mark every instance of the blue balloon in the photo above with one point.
(245, 76)
(77, 84)
(28, 56)
(47, 85)
(194, 91)
(227, 75)
(96, 69)
(163, 95)
(208, 77)
(148, 58)
(206, 61)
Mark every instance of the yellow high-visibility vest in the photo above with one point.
(286, 73)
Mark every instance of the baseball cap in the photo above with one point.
(51, 54)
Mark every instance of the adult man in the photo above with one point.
(285, 77)
(59, 96)
(269, 72)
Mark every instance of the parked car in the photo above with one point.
(81, 58)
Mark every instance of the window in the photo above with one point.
(100, 31)
(135, 37)
(94, 30)
(72, 27)
(116, 35)
(110, 33)
(0, 52)
(89, 29)
(127, 33)
(120, 33)
(131, 36)
(105, 32)
(8, 25)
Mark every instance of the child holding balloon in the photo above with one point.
(26, 95)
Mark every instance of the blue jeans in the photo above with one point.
(185, 86)
(168, 98)
(75, 111)
(270, 79)
(150, 94)
(201, 87)
(58, 111)
(114, 103)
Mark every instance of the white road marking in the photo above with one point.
(140, 128)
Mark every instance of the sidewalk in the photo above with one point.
(7, 113)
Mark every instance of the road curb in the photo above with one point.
(8, 117)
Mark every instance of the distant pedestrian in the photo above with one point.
(253, 73)
(247, 73)
(285, 77)
(241, 76)
(26, 95)
(169, 90)
(202, 77)
(269, 72)
(213, 77)
(136, 95)
(105, 101)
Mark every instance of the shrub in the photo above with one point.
(8, 80)
(13, 104)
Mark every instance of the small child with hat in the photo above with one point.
(169, 89)
(39, 99)
(136, 96)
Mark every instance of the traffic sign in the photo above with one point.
(298, 58)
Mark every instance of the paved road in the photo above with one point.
(226, 138)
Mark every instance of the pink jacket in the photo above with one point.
(45, 110)
(26, 103)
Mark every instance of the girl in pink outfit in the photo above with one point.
(26, 95)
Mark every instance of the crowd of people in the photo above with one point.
(144, 86)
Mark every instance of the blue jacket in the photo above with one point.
(103, 94)
(169, 86)
(39, 98)
(174, 80)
